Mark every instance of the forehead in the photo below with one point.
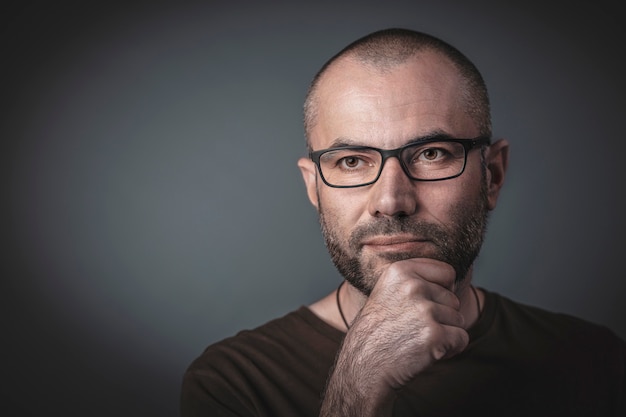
(387, 107)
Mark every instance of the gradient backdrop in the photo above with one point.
(151, 199)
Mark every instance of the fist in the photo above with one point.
(410, 320)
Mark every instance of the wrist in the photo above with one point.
(355, 388)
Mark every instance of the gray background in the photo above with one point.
(152, 203)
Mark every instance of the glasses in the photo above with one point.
(433, 159)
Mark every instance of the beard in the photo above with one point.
(457, 243)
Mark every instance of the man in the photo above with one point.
(403, 173)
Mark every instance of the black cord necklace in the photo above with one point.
(339, 306)
(480, 312)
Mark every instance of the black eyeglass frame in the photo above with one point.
(468, 145)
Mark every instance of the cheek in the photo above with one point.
(342, 207)
(471, 181)
(440, 201)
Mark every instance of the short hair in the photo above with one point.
(387, 48)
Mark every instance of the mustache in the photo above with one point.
(393, 226)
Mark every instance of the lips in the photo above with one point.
(393, 242)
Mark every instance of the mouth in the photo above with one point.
(395, 243)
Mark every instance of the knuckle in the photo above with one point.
(432, 334)
(412, 287)
(425, 311)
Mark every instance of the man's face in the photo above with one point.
(367, 228)
(457, 243)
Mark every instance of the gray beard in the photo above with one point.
(457, 244)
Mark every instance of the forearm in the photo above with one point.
(353, 391)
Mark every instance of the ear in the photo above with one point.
(497, 159)
(309, 174)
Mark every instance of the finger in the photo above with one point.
(446, 316)
(453, 342)
(432, 270)
(441, 295)
(411, 287)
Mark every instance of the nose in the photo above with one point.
(394, 194)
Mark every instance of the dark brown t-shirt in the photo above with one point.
(521, 361)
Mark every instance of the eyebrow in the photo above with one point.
(435, 134)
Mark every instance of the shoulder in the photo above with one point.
(558, 336)
(287, 357)
(276, 338)
(541, 320)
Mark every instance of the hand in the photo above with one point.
(410, 320)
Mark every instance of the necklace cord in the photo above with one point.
(339, 306)
(480, 312)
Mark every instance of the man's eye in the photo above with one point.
(350, 162)
(431, 154)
